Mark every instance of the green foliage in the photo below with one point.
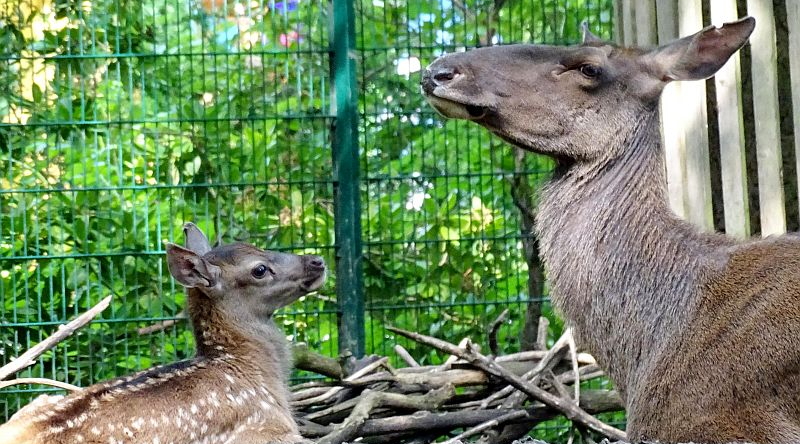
(122, 119)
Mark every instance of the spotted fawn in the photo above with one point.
(234, 391)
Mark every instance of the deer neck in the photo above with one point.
(613, 249)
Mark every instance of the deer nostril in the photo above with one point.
(445, 76)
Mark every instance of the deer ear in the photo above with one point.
(588, 37)
(701, 55)
(190, 269)
(195, 239)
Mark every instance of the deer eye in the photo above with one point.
(590, 71)
(261, 270)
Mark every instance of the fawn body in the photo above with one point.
(233, 391)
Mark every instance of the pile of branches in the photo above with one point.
(496, 399)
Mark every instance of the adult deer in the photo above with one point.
(234, 391)
(700, 332)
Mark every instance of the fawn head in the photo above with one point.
(571, 102)
(244, 280)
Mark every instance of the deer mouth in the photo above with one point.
(457, 110)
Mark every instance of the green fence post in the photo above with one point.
(347, 197)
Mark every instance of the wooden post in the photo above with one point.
(671, 131)
(695, 125)
(628, 32)
(765, 108)
(644, 14)
(793, 19)
(731, 132)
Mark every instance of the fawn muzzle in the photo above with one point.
(315, 270)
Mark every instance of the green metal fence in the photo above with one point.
(293, 124)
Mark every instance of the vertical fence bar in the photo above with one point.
(765, 108)
(347, 197)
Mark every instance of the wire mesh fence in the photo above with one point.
(442, 237)
(123, 119)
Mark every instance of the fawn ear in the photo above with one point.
(195, 239)
(190, 269)
(701, 55)
(588, 37)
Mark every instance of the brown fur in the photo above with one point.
(699, 331)
(233, 391)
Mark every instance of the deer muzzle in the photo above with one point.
(440, 86)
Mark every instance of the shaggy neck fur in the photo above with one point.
(622, 267)
(260, 355)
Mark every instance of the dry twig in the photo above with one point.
(332, 391)
(565, 406)
(64, 331)
(495, 326)
(40, 381)
(516, 414)
(163, 325)
(370, 401)
(405, 355)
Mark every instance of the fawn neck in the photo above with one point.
(614, 250)
(258, 345)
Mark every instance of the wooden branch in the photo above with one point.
(453, 357)
(585, 373)
(493, 328)
(516, 414)
(337, 408)
(40, 381)
(434, 379)
(541, 336)
(594, 401)
(405, 355)
(547, 361)
(573, 354)
(305, 359)
(428, 421)
(64, 331)
(332, 391)
(350, 427)
(163, 325)
(536, 355)
(565, 406)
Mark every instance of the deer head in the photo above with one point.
(568, 102)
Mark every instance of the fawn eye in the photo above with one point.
(590, 71)
(261, 270)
